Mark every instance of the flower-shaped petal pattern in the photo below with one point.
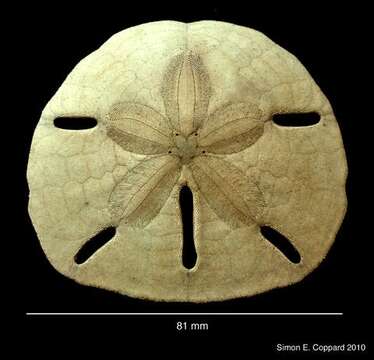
(143, 191)
(232, 128)
(229, 129)
(186, 92)
(233, 197)
(138, 128)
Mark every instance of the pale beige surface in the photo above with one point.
(217, 85)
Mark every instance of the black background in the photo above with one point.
(328, 43)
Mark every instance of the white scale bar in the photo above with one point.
(193, 314)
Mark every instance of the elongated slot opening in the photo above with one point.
(94, 244)
(189, 255)
(296, 119)
(75, 122)
(281, 242)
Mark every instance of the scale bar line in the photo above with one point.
(186, 314)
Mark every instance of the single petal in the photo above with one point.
(232, 196)
(232, 128)
(143, 191)
(138, 128)
(186, 92)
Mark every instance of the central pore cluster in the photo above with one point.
(186, 148)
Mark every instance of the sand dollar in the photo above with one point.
(216, 107)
